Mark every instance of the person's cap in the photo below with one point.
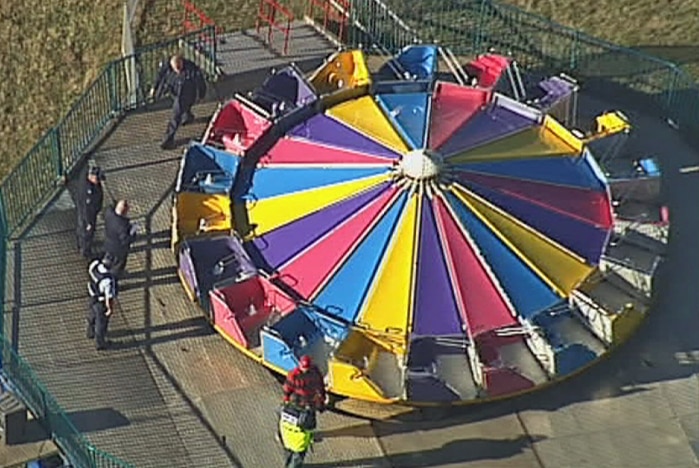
(96, 171)
(305, 362)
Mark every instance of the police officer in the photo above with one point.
(88, 205)
(119, 232)
(185, 82)
(295, 434)
(103, 289)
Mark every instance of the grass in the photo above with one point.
(51, 51)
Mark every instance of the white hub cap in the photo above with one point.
(420, 165)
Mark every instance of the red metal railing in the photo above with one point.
(331, 11)
(196, 20)
(267, 14)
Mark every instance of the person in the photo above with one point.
(88, 205)
(294, 434)
(119, 232)
(102, 289)
(305, 388)
(184, 80)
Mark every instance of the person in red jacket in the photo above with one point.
(304, 386)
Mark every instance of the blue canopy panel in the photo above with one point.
(409, 114)
(274, 181)
(344, 293)
(305, 331)
(528, 293)
(204, 169)
(581, 238)
(575, 171)
(420, 61)
(285, 90)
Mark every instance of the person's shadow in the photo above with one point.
(454, 452)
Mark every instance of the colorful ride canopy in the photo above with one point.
(429, 233)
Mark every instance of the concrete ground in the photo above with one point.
(173, 393)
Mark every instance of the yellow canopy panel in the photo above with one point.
(389, 302)
(270, 213)
(346, 69)
(365, 116)
(609, 123)
(549, 139)
(199, 213)
(557, 266)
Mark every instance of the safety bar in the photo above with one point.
(333, 10)
(267, 13)
(195, 19)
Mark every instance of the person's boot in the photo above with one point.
(188, 119)
(168, 144)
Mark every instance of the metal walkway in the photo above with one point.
(174, 394)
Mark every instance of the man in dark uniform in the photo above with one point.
(102, 289)
(88, 205)
(119, 232)
(185, 82)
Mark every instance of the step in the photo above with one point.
(644, 241)
(633, 263)
(611, 306)
(657, 232)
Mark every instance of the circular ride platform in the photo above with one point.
(424, 241)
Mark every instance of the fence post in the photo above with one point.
(57, 150)
(112, 83)
(574, 51)
(3, 274)
(481, 25)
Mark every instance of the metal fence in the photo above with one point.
(38, 177)
(470, 27)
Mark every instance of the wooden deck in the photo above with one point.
(172, 393)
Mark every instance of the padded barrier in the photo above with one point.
(439, 370)
(205, 169)
(235, 126)
(342, 70)
(205, 262)
(283, 91)
(195, 214)
(304, 331)
(241, 309)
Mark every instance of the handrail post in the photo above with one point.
(57, 151)
(111, 74)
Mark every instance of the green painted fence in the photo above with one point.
(43, 172)
(470, 27)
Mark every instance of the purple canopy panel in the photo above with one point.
(282, 244)
(436, 312)
(207, 253)
(555, 89)
(429, 389)
(503, 118)
(290, 86)
(187, 271)
(326, 130)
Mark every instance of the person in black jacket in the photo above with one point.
(88, 204)
(118, 235)
(184, 80)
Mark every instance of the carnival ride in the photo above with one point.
(425, 240)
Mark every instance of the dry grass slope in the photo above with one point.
(51, 51)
